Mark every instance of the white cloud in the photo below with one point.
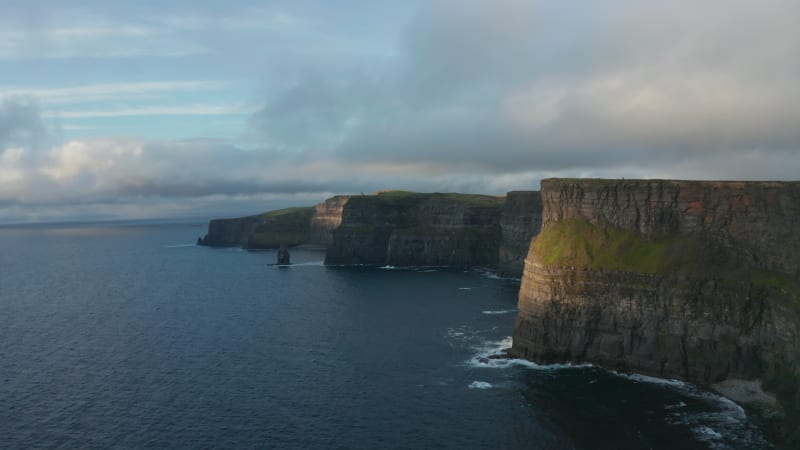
(515, 86)
(180, 110)
(476, 96)
(82, 34)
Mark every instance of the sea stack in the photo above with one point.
(283, 256)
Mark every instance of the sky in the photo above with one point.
(113, 110)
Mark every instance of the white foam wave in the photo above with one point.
(428, 270)
(310, 263)
(180, 245)
(491, 354)
(387, 267)
(486, 273)
(652, 380)
(465, 289)
(461, 335)
(675, 406)
(499, 311)
(726, 422)
(480, 385)
(706, 432)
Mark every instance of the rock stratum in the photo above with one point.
(410, 229)
(680, 279)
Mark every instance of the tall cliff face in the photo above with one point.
(520, 221)
(398, 228)
(327, 217)
(685, 279)
(401, 228)
(230, 232)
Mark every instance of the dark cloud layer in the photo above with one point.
(520, 86)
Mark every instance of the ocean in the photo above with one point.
(130, 336)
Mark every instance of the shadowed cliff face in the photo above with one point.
(520, 221)
(269, 230)
(409, 229)
(684, 279)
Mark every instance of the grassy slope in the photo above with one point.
(390, 197)
(581, 244)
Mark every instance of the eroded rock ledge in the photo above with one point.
(681, 279)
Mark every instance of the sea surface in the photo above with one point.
(130, 336)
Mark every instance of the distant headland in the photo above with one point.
(398, 228)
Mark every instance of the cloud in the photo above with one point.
(58, 31)
(179, 110)
(472, 96)
(110, 91)
(112, 40)
(520, 86)
(20, 123)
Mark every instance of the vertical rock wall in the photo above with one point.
(327, 217)
(685, 279)
(520, 221)
(409, 229)
(231, 232)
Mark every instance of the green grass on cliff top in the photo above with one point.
(289, 226)
(469, 199)
(581, 244)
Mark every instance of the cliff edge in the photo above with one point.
(681, 279)
(290, 226)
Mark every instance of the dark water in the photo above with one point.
(130, 337)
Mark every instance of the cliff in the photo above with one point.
(410, 229)
(520, 221)
(290, 226)
(398, 228)
(327, 217)
(682, 279)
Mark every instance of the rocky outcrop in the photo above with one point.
(520, 221)
(327, 217)
(410, 229)
(284, 258)
(230, 232)
(684, 279)
(288, 226)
